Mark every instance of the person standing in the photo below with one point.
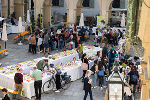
(46, 43)
(94, 69)
(88, 85)
(33, 42)
(134, 77)
(104, 51)
(18, 78)
(84, 65)
(40, 44)
(42, 65)
(111, 57)
(37, 76)
(30, 43)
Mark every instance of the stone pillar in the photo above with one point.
(5, 7)
(71, 11)
(71, 16)
(104, 8)
(19, 9)
(46, 15)
(38, 5)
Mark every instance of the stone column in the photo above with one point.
(38, 5)
(71, 11)
(5, 7)
(104, 8)
(46, 15)
(19, 10)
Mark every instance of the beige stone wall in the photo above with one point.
(144, 29)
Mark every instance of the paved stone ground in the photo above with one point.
(19, 54)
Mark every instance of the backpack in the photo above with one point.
(58, 70)
(134, 78)
(16, 79)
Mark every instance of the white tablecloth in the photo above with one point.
(8, 80)
(91, 52)
(75, 72)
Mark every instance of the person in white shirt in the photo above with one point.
(40, 40)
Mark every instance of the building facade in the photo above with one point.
(57, 9)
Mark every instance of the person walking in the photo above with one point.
(88, 85)
(134, 77)
(18, 78)
(37, 76)
(94, 69)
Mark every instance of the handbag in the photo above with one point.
(84, 66)
(101, 72)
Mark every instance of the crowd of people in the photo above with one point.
(59, 39)
(112, 55)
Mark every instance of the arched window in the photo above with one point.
(86, 3)
(116, 4)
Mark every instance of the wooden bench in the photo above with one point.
(3, 51)
(9, 90)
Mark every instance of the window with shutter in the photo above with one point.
(91, 3)
(61, 3)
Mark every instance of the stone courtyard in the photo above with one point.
(19, 54)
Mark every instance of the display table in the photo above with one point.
(68, 61)
(91, 50)
(13, 29)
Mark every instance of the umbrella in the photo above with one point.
(20, 25)
(20, 29)
(28, 17)
(4, 34)
(1, 18)
(81, 20)
(123, 20)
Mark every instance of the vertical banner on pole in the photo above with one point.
(100, 21)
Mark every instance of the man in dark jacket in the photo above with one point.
(104, 51)
(88, 85)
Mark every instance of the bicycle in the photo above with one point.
(50, 84)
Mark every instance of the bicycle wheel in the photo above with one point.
(67, 84)
(48, 86)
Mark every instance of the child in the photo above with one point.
(6, 97)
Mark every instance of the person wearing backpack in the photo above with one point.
(101, 73)
(134, 77)
(18, 78)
